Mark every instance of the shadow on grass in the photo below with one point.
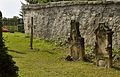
(44, 50)
(48, 52)
(34, 50)
(17, 57)
(16, 51)
(116, 68)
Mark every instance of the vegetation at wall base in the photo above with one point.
(7, 65)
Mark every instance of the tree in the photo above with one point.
(21, 14)
(7, 65)
(10, 21)
(45, 1)
(42, 1)
(32, 1)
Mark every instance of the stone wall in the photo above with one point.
(52, 20)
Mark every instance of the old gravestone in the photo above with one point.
(103, 45)
(76, 42)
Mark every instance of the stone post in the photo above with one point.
(77, 42)
(31, 34)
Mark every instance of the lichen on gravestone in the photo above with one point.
(103, 45)
(76, 42)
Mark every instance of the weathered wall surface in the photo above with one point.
(52, 20)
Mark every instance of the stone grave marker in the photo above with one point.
(76, 42)
(103, 45)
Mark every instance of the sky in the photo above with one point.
(10, 8)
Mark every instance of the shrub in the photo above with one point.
(7, 65)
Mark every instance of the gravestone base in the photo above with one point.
(103, 62)
(76, 52)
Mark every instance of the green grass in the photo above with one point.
(46, 60)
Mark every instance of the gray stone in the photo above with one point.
(52, 20)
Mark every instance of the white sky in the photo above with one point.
(10, 8)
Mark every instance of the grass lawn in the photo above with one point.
(46, 60)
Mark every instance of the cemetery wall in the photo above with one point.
(52, 20)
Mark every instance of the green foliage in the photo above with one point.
(7, 65)
(45, 1)
(32, 1)
(11, 29)
(10, 21)
(21, 13)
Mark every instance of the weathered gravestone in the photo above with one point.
(103, 45)
(76, 42)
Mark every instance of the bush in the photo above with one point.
(7, 65)
(11, 29)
